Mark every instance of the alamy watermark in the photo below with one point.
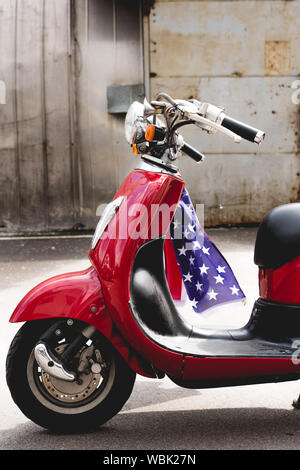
(142, 221)
(296, 94)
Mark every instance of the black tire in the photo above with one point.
(34, 400)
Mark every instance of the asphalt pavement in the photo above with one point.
(159, 415)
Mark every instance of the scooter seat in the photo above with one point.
(278, 237)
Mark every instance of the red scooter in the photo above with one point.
(73, 364)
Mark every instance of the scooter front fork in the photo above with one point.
(52, 365)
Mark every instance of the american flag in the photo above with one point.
(207, 277)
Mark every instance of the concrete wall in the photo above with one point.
(244, 56)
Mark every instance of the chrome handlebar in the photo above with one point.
(207, 116)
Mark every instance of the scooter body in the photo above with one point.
(125, 295)
(149, 329)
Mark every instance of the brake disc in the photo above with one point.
(70, 392)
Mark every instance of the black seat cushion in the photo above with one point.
(278, 237)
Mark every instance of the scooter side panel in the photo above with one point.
(77, 295)
(173, 273)
(225, 368)
(281, 284)
(114, 256)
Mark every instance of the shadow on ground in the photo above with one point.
(140, 427)
(237, 428)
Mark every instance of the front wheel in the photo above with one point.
(66, 406)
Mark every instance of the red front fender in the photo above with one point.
(77, 295)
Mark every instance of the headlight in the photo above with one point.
(135, 111)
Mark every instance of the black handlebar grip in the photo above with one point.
(243, 130)
(193, 153)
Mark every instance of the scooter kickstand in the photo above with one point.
(296, 403)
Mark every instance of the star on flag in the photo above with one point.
(182, 251)
(219, 279)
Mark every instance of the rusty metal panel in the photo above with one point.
(239, 188)
(264, 102)
(36, 189)
(109, 53)
(242, 55)
(94, 23)
(2, 92)
(9, 202)
(209, 38)
(61, 154)
(57, 111)
(29, 96)
(277, 57)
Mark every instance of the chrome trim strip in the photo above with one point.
(145, 166)
(108, 213)
(152, 167)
